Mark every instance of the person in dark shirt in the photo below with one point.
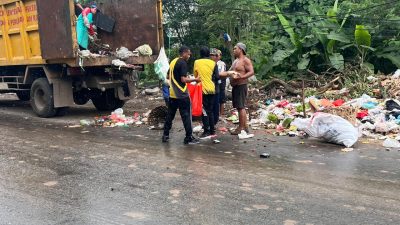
(179, 96)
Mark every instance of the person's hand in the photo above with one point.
(86, 21)
(94, 27)
(236, 76)
(91, 31)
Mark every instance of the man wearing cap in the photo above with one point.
(241, 70)
(216, 55)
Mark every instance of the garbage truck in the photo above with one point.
(40, 59)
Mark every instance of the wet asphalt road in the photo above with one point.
(51, 174)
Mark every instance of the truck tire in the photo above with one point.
(24, 95)
(81, 97)
(42, 99)
(106, 101)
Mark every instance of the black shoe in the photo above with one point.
(205, 134)
(165, 138)
(191, 141)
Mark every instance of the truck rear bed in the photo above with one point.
(35, 32)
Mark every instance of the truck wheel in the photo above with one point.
(107, 101)
(24, 95)
(42, 99)
(81, 97)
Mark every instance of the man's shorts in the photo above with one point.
(239, 96)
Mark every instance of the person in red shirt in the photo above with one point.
(85, 12)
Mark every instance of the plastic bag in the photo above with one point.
(196, 96)
(161, 65)
(391, 143)
(331, 128)
(144, 50)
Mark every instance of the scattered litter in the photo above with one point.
(347, 149)
(152, 91)
(74, 126)
(391, 143)
(215, 141)
(154, 118)
(265, 155)
(198, 129)
(222, 129)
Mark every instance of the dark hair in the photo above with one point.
(183, 49)
(204, 52)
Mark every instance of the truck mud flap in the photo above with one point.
(62, 91)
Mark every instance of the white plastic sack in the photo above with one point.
(124, 53)
(144, 50)
(396, 74)
(263, 116)
(331, 128)
(161, 65)
(391, 143)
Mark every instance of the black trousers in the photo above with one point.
(208, 113)
(185, 110)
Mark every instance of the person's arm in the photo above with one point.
(168, 74)
(228, 73)
(79, 6)
(249, 68)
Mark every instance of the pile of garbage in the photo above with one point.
(154, 118)
(116, 119)
(340, 121)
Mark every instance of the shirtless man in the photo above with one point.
(241, 70)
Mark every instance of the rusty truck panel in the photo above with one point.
(55, 23)
(136, 24)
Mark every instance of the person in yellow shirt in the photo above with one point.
(207, 70)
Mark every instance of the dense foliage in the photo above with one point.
(287, 37)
